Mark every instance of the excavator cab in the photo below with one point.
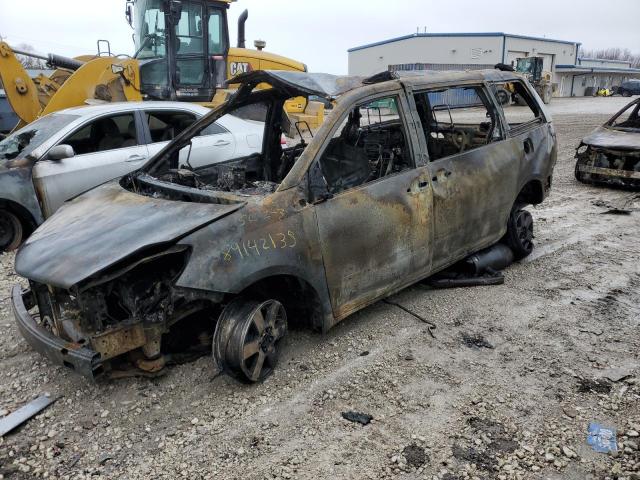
(181, 46)
(530, 66)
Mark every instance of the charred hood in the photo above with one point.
(106, 226)
(607, 137)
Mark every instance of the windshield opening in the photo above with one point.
(627, 119)
(260, 158)
(149, 29)
(27, 139)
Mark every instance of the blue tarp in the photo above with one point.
(602, 439)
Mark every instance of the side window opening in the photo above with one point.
(164, 126)
(520, 109)
(629, 118)
(107, 133)
(456, 120)
(371, 143)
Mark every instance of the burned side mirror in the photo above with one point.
(60, 152)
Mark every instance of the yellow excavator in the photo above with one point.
(182, 53)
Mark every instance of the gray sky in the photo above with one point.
(319, 33)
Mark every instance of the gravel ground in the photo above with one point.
(506, 390)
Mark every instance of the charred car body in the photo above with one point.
(610, 155)
(406, 177)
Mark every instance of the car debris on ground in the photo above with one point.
(31, 409)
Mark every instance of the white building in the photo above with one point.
(457, 51)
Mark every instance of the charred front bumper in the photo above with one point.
(74, 356)
(607, 166)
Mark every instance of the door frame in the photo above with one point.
(406, 116)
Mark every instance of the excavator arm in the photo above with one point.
(20, 89)
(75, 82)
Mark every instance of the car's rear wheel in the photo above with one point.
(11, 231)
(247, 338)
(519, 236)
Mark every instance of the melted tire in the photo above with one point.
(11, 231)
(519, 236)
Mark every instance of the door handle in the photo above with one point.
(528, 146)
(136, 158)
(221, 143)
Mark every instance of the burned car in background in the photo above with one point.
(407, 176)
(610, 155)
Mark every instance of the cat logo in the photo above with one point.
(239, 67)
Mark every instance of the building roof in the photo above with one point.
(589, 69)
(604, 60)
(459, 34)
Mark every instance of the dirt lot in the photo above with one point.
(505, 391)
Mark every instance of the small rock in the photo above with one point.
(568, 452)
(632, 434)
(570, 412)
(104, 413)
(548, 457)
(194, 421)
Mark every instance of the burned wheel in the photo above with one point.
(247, 337)
(519, 236)
(10, 231)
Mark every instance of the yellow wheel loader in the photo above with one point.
(532, 68)
(182, 53)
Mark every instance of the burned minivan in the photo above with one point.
(610, 155)
(407, 176)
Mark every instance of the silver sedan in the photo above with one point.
(71, 151)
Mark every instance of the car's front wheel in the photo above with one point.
(11, 231)
(247, 338)
(625, 93)
(519, 236)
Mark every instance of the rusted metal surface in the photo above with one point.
(115, 342)
(610, 155)
(302, 228)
